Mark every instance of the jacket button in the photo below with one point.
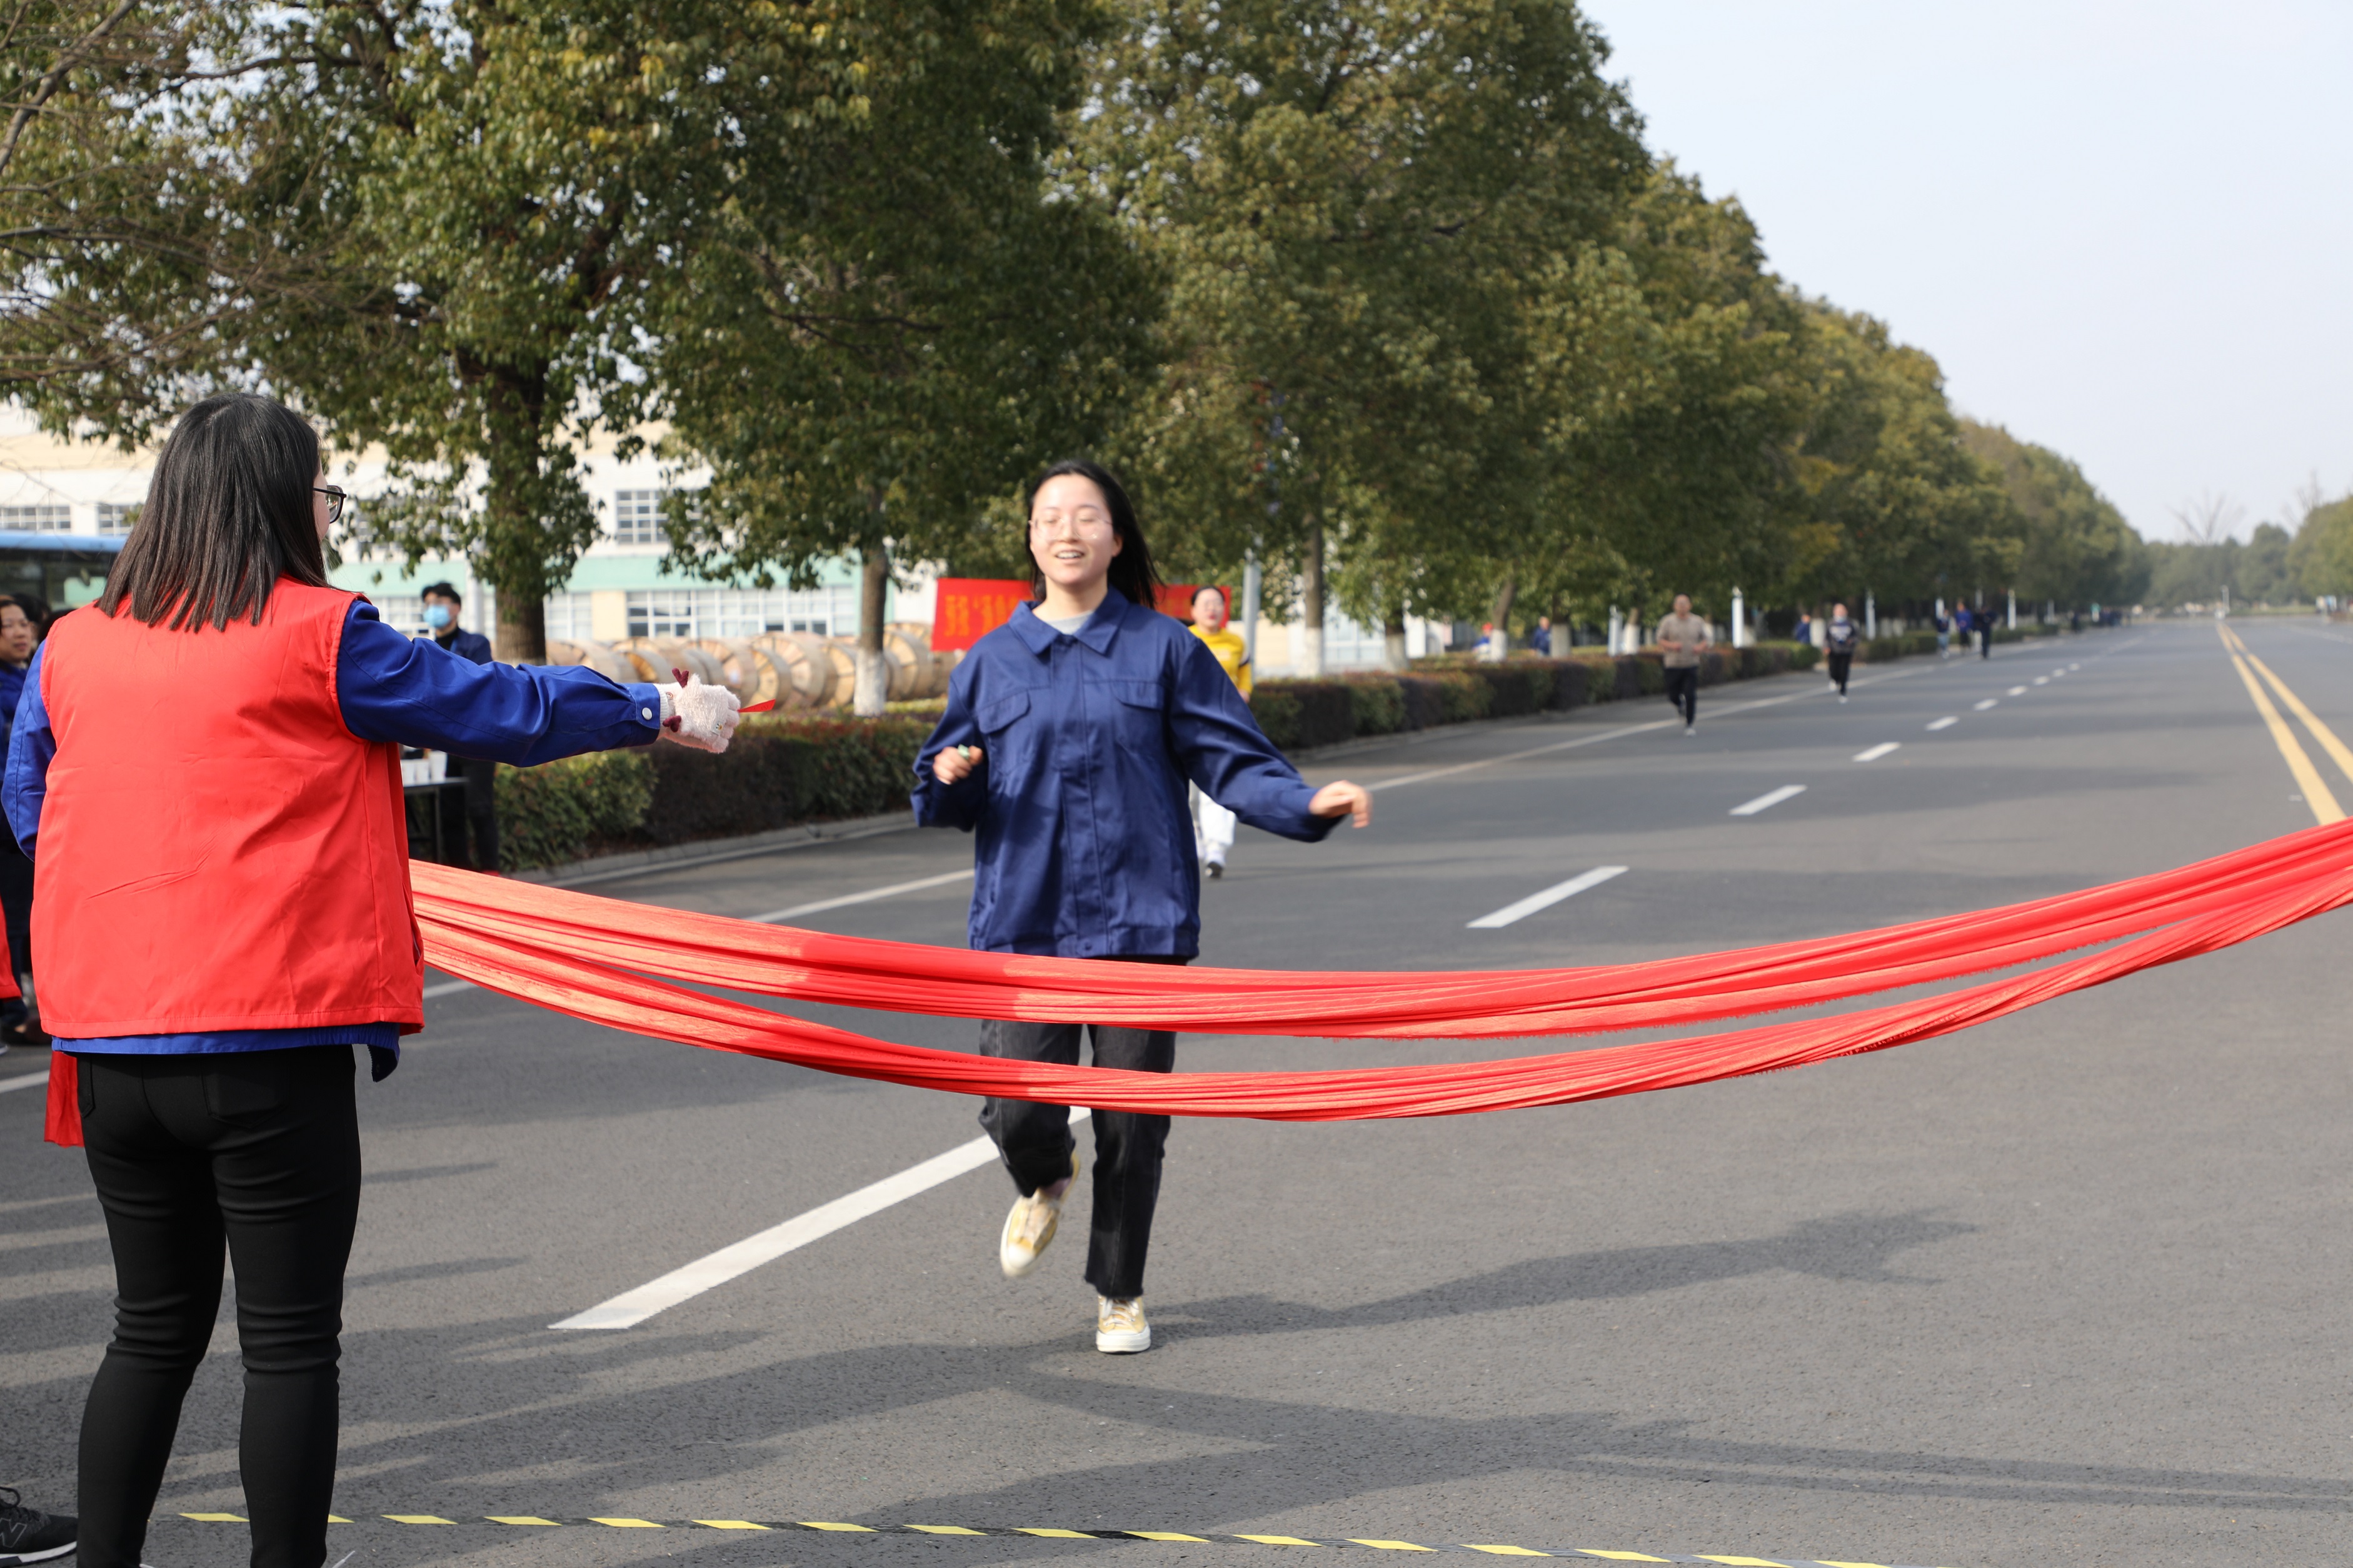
(645, 712)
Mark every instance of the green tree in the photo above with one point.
(1350, 204)
(2078, 550)
(878, 338)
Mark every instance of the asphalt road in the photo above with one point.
(2069, 1288)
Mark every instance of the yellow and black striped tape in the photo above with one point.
(532, 1520)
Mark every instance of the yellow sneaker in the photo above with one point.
(1120, 1328)
(1030, 1227)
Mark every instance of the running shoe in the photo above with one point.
(1120, 1328)
(28, 1535)
(1030, 1228)
(1216, 869)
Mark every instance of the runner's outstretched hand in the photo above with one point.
(954, 762)
(1344, 799)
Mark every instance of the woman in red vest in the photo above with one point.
(207, 771)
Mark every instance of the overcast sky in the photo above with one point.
(2124, 230)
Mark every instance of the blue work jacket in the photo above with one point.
(1084, 839)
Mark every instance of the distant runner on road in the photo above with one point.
(1213, 825)
(1683, 637)
(1839, 642)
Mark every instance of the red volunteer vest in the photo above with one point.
(216, 851)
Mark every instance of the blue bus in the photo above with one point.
(62, 569)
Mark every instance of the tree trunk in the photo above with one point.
(512, 557)
(873, 688)
(1311, 605)
(1393, 652)
(1500, 617)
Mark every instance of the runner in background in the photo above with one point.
(1683, 637)
(1838, 644)
(1070, 734)
(1213, 825)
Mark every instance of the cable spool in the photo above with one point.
(597, 655)
(750, 672)
(657, 657)
(910, 658)
(808, 669)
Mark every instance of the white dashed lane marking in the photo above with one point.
(1877, 751)
(1945, 723)
(1769, 799)
(1545, 899)
(1988, 702)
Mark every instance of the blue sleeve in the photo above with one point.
(395, 688)
(1220, 747)
(958, 804)
(26, 780)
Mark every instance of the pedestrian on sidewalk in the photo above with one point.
(1213, 825)
(205, 771)
(443, 606)
(1683, 637)
(24, 621)
(1985, 633)
(1070, 733)
(1839, 640)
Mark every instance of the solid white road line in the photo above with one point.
(1545, 899)
(2016, 691)
(1769, 799)
(28, 1081)
(630, 1308)
(1945, 723)
(1877, 751)
(1988, 702)
(451, 988)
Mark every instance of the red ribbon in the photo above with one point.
(605, 962)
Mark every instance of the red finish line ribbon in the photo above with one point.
(611, 962)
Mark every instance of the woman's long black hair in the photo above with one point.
(228, 513)
(1132, 571)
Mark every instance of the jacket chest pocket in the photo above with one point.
(1004, 751)
(1139, 712)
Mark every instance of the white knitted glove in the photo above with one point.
(697, 715)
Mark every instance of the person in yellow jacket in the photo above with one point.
(1213, 825)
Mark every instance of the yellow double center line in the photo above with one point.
(2307, 777)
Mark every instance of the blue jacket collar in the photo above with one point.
(1101, 629)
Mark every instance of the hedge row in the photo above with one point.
(786, 770)
(1296, 714)
(779, 771)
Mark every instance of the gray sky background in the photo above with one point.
(2124, 230)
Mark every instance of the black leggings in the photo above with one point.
(259, 1152)
(1840, 664)
(1682, 691)
(1035, 1142)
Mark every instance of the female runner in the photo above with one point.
(1070, 735)
(206, 768)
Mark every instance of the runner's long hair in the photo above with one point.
(1132, 571)
(227, 514)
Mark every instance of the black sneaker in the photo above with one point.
(1216, 869)
(28, 1535)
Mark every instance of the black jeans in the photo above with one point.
(1682, 691)
(1035, 1142)
(16, 901)
(481, 809)
(1840, 664)
(259, 1152)
(1985, 640)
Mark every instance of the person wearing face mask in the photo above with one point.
(23, 618)
(443, 606)
(1070, 733)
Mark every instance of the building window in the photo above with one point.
(49, 517)
(636, 517)
(742, 612)
(113, 516)
(406, 611)
(1348, 645)
(570, 616)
